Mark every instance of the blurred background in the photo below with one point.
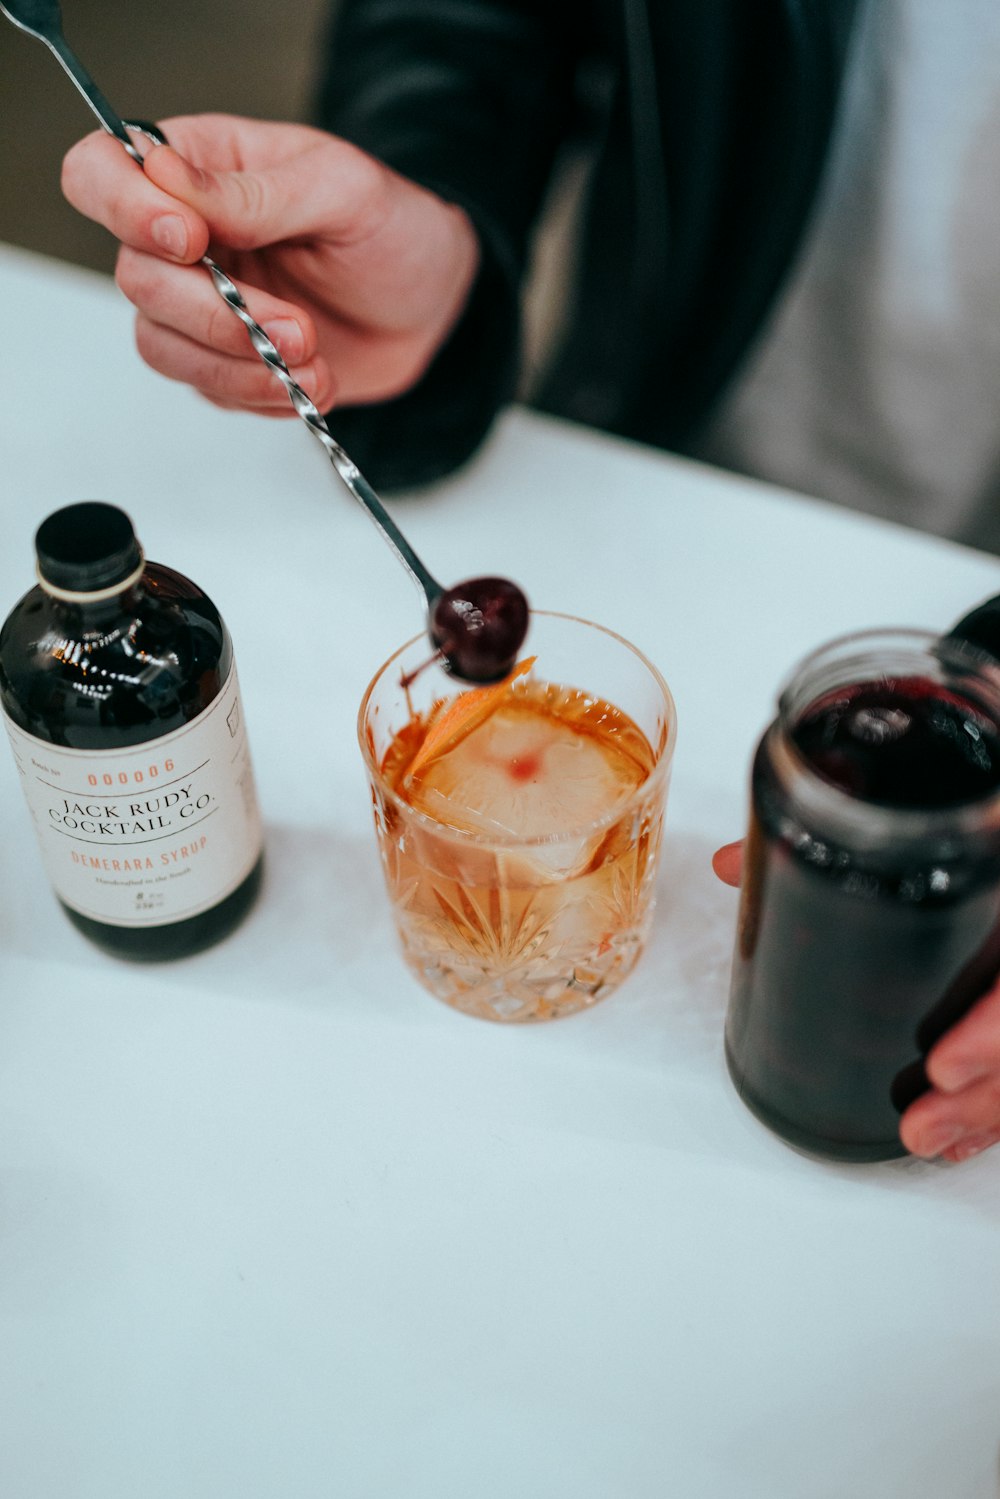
(151, 60)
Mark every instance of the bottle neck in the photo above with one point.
(84, 614)
(91, 597)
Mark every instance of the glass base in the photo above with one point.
(531, 993)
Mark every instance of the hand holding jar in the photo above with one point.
(959, 1115)
(865, 973)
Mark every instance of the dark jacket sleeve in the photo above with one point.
(470, 98)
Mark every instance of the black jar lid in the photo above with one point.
(87, 547)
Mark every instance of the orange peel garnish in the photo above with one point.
(463, 714)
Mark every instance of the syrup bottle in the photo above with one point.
(120, 697)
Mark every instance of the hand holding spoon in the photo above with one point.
(478, 626)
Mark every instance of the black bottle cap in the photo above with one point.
(87, 547)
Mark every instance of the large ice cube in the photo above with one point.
(524, 773)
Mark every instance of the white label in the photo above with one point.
(153, 833)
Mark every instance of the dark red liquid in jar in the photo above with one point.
(902, 743)
(863, 937)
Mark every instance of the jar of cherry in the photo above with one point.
(871, 890)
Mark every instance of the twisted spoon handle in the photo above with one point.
(43, 19)
(306, 408)
(345, 466)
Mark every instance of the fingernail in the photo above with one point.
(940, 1137)
(169, 233)
(287, 335)
(972, 1147)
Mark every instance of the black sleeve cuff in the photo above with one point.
(435, 427)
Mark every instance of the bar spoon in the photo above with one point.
(477, 626)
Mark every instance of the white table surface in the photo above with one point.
(274, 1224)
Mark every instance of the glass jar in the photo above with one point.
(871, 888)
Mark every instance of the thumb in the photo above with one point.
(329, 190)
(728, 863)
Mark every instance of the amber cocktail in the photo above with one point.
(519, 825)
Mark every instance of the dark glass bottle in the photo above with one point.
(871, 893)
(120, 696)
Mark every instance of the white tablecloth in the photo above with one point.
(274, 1224)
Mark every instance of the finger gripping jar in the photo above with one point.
(120, 697)
(869, 907)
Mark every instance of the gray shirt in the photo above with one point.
(877, 382)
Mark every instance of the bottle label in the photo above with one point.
(153, 833)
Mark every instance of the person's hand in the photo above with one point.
(960, 1114)
(727, 862)
(357, 274)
